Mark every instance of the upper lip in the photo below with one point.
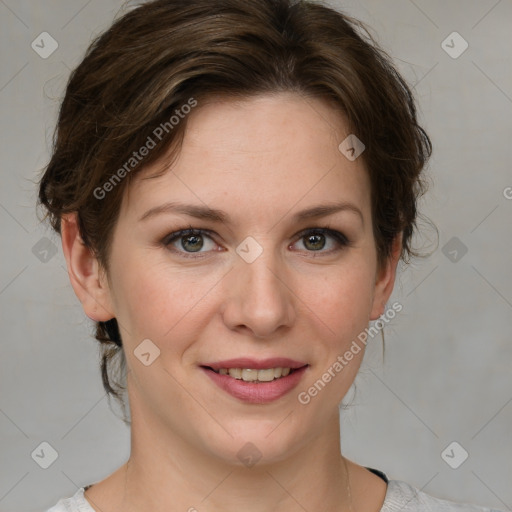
(256, 364)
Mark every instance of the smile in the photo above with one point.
(269, 382)
(254, 375)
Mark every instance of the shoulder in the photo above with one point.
(403, 497)
(76, 503)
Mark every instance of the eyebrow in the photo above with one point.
(215, 215)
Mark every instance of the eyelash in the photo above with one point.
(339, 237)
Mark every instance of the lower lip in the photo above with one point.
(257, 392)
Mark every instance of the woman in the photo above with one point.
(234, 183)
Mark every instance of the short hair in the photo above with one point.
(163, 54)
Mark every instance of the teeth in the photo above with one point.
(266, 375)
(236, 373)
(252, 375)
(249, 375)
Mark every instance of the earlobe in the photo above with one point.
(386, 279)
(88, 280)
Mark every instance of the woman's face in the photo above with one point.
(264, 283)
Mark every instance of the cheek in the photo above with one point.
(153, 301)
(342, 307)
(343, 299)
(159, 301)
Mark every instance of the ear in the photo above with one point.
(86, 276)
(385, 279)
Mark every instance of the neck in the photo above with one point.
(165, 473)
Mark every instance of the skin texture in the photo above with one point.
(261, 161)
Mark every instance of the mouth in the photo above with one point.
(254, 381)
(253, 374)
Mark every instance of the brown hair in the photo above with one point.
(165, 54)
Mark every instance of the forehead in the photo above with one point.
(268, 151)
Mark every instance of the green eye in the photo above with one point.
(199, 241)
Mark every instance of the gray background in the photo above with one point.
(446, 373)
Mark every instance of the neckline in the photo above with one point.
(85, 506)
(391, 493)
(377, 472)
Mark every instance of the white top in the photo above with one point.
(400, 497)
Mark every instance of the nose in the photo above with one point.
(259, 299)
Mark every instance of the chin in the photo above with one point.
(260, 442)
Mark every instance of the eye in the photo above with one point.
(189, 240)
(314, 239)
(186, 242)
